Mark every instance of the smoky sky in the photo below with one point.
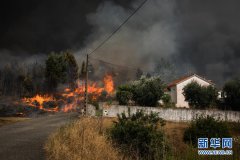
(199, 36)
(47, 25)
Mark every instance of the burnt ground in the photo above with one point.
(25, 140)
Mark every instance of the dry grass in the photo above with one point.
(81, 140)
(174, 132)
(10, 120)
(85, 140)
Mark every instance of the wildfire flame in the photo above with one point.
(76, 96)
(38, 100)
(108, 84)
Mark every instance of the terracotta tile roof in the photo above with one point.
(175, 82)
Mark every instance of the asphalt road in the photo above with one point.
(25, 140)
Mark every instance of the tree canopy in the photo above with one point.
(61, 68)
(71, 69)
(200, 96)
(144, 92)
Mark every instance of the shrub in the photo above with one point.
(200, 96)
(124, 94)
(123, 97)
(139, 136)
(208, 127)
(166, 98)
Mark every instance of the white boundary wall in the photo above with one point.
(170, 114)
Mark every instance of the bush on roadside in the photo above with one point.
(139, 136)
(205, 127)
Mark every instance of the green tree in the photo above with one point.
(200, 96)
(232, 94)
(55, 71)
(71, 69)
(124, 94)
(147, 91)
(144, 92)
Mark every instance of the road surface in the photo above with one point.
(25, 140)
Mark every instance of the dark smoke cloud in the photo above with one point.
(145, 38)
(209, 37)
(200, 36)
(44, 26)
(197, 36)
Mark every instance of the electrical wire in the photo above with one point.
(122, 66)
(119, 27)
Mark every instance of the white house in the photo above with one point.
(175, 88)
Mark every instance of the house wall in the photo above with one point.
(179, 90)
(170, 114)
(173, 94)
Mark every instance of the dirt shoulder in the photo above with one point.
(10, 120)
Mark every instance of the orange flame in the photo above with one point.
(39, 99)
(76, 96)
(108, 84)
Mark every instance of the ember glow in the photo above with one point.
(71, 99)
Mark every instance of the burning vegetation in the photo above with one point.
(71, 99)
(58, 85)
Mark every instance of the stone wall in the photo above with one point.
(170, 114)
(91, 110)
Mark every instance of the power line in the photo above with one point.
(119, 27)
(122, 66)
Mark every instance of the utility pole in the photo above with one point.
(86, 87)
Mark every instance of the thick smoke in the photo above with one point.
(201, 37)
(195, 36)
(45, 26)
(8, 57)
(209, 36)
(148, 36)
